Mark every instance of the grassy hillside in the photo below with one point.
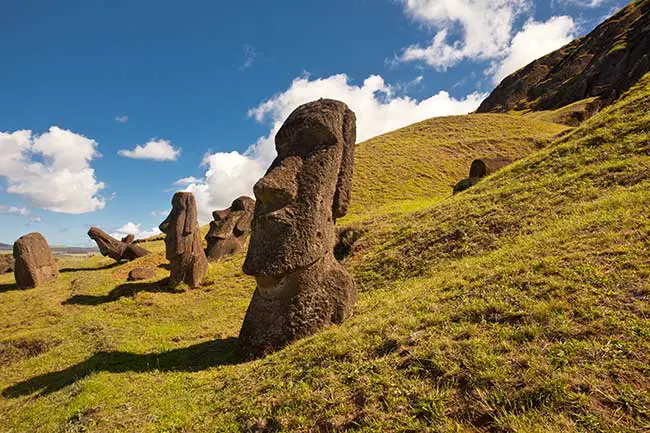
(425, 160)
(520, 305)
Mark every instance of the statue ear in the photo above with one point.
(190, 215)
(344, 181)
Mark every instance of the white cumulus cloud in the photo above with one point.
(466, 29)
(52, 170)
(534, 41)
(378, 107)
(135, 230)
(157, 150)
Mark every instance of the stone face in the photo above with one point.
(603, 64)
(35, 264)
(230, 228)
(183, 242)
(128, 239)
(116, 250)
(7, 263)
(139, 274)
(300, 286)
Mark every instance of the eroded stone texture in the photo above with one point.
(300, 286)
(35, 264)
(230, 228)
(116, 250)
(128, 239)
(187, 261)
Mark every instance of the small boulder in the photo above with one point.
(35, 264)
(7, 263)
(139, 274)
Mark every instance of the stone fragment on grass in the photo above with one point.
(140, 274)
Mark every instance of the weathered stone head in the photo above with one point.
(35, 264)
(116, 250)
(304, 191)
(300, 286)
(230, 228)
(183, 241)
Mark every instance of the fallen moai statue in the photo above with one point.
(35, 264)
(116, 250)
(230, 228)
(301, 288)
(183, 246)
(479, 169)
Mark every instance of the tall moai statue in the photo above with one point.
(301, 288)
(183, 242)
(35, 264)
(230, 228)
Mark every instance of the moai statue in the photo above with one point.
(301, 288)
(128, 239)
(183, 242)
(116, 250)
(230, 228)
(35, 264)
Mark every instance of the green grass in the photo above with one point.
(520, 305)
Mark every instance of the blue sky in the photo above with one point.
(201, 87)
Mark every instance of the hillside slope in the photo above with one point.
(520, 305)
(425, 160)
(603, 64)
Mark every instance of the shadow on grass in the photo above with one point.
(7, 287)
(101, 268)
(128, 289)
(189, 359)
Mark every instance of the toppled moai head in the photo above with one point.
(116, 250)
(180, 225)
(304, 191)
(108, 246)
(230, 228)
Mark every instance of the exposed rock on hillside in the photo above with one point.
(603, 64)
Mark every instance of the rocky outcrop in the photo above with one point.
(603, 64)
(35, 264)
(301, 288)
(187, 261)
(116, 250)
(230, 228)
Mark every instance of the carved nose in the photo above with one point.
(277, 189)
